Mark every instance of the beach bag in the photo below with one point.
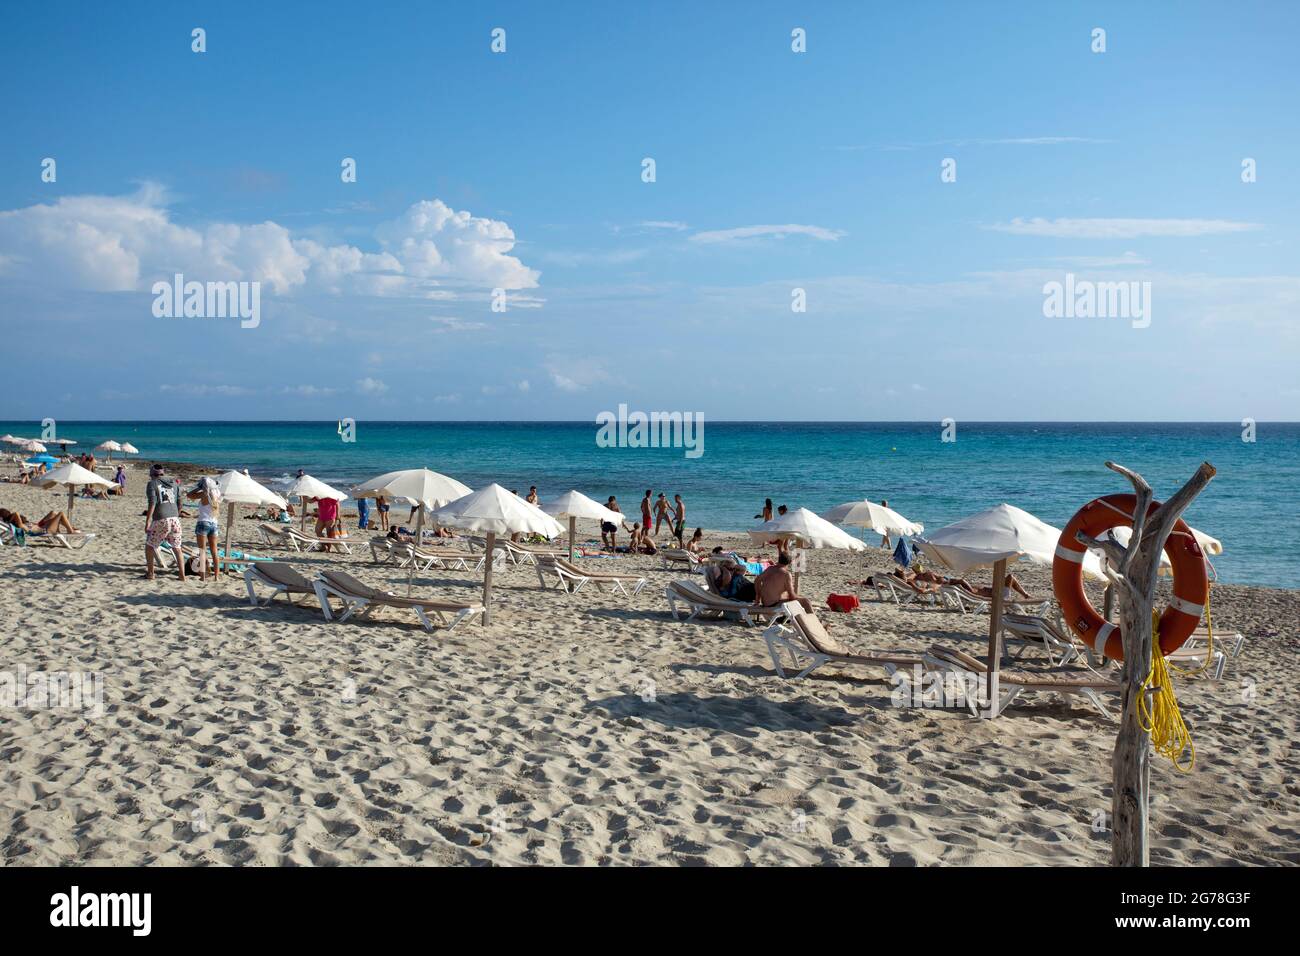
(842, 603)
(903, 554)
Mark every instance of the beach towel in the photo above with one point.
(903, 554)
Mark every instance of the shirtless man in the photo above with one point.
(661, 512)
(609, 530)
(776, 585)
(645, 511)
(679, 523)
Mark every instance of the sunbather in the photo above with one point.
(776, 585)
(54, 522)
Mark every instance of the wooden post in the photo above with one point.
(573, 525)
(419, 542)
(995, 629)
(71, 498)
(487, 575)
(1132, 574)
(230, 527)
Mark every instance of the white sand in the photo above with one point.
(587, 729)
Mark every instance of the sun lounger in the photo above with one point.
(900, 591)
(572, 578)
(307, 542)
(963, 601)
(974, 671)
(276, 535)
(426, 558)
(361, 600)
(1033, 630)
(674, 556)
(1234, 641)
(383, 550)
(70, 539)
(810, 645)
(705, 604)
(280, 578)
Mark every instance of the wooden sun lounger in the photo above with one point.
(280, 578)
(810, 645)
(361, 600)
(705, 604)
(1082, 683)
(572, 578)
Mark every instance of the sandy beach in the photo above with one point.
(586, 729)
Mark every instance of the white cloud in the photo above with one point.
(664, 224)
(371, 386)
(124, 243)
(1120, 228)
(574, 374)
(308, 391)
(226, 391)
(774, 232)
(451, 323)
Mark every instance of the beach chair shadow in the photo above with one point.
(743, 716)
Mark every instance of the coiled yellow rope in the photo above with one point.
(1158, 707)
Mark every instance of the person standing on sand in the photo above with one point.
(327, 515)
(661, 512)
(884, 542)
(208, 494)
(679, 523)
(363, 514)
(645, 513)
(381, 505)
(766, 513)
(162, 521)
(609, 530)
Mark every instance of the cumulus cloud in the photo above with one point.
(1120, 228)
(125, 243)
(371, 386)
(201, 391)
(768, 232)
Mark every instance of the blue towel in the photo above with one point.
(903, 554)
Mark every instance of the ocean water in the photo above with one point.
(1049, 469)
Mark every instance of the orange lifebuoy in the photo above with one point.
(1191, 583)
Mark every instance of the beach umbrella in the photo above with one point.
(880, 519)
(6, 437)
(418, 486)
(32, 445)
(494, 510)
(109, 446)
(804, 529)
(129, 449)
(72, 475)
(997, 536)
(305, 486)
(1209, 546)
(574, 505)
(237, 488)
(62, 442)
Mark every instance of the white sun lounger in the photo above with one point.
(572, 578)
(810, 645)
(704, 604)
(1014, 683)
(280, 578)
(675, 556)
(361, 600)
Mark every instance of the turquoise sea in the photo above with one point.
(1049, 469)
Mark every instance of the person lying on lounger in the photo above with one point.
(54, 522)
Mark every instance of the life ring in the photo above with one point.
(1191, 583)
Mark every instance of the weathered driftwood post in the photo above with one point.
(1132, 574)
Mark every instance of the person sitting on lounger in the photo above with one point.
(696, 544)
(776, 586)
(733, 584)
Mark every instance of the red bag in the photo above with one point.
(842, 602)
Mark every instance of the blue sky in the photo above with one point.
(774, 170)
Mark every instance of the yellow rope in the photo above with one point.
(1158, 708)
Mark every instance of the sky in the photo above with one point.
(517, 179)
